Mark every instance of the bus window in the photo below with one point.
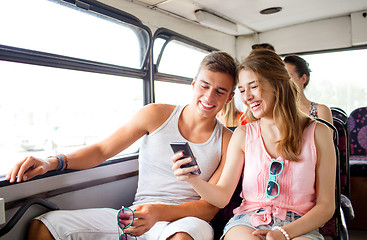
(59, 28)
(181, 60)
(172, 93)
(69, 77)
(338, 79)
(45, 111)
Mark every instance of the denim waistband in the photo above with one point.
(291, 216)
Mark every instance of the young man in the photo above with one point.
(165, 208)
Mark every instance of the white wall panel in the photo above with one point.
(313, 36)
(319, 35)
(359, 28)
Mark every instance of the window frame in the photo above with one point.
(32, 57)
(168, 36)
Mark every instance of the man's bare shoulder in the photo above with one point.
(227, 131)
(159, 110)
(227, 134)
(154, 115)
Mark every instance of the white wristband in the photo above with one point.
(283, 231)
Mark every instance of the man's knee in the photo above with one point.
(180, 236)
(37, 231)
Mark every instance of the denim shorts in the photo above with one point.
(245, 220)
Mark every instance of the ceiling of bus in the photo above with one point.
(245, 14)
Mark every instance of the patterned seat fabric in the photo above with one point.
(339, 113)
(342, 144)
(336, 226)
(358, 142)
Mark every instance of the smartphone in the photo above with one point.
(185, 147)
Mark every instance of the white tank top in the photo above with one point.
(157, 184)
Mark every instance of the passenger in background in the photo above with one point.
(299, 71)
(287, 161)
(230, 116)
(263, 46)
(164, 207)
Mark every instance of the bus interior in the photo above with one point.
(73, 71)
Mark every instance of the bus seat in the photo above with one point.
(343, 146)
(339, 113)
(358, 142)
(23, 208)
(336, 227)
(358, 165)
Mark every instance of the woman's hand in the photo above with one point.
(269, 234)
(182, 174)
(27, 169)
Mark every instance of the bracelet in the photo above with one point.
(283, 231)
(59, 167)
(60, 164)
(63, 162)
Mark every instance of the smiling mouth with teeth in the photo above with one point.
(207, 105)
(254, 105)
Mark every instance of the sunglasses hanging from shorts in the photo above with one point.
(272, 187)
(125, 218)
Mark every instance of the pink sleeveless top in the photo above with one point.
(296, 181)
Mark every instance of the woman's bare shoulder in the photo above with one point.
(324, 112)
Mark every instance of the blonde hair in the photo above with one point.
(288, 118)
(230, 114)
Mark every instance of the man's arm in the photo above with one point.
(149, 214)
(144, 121)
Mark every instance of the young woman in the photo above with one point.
(300, 73)
(286, 158)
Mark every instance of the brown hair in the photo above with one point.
(302, 67)
(263, 46)
(290, 121)
(220, 61)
